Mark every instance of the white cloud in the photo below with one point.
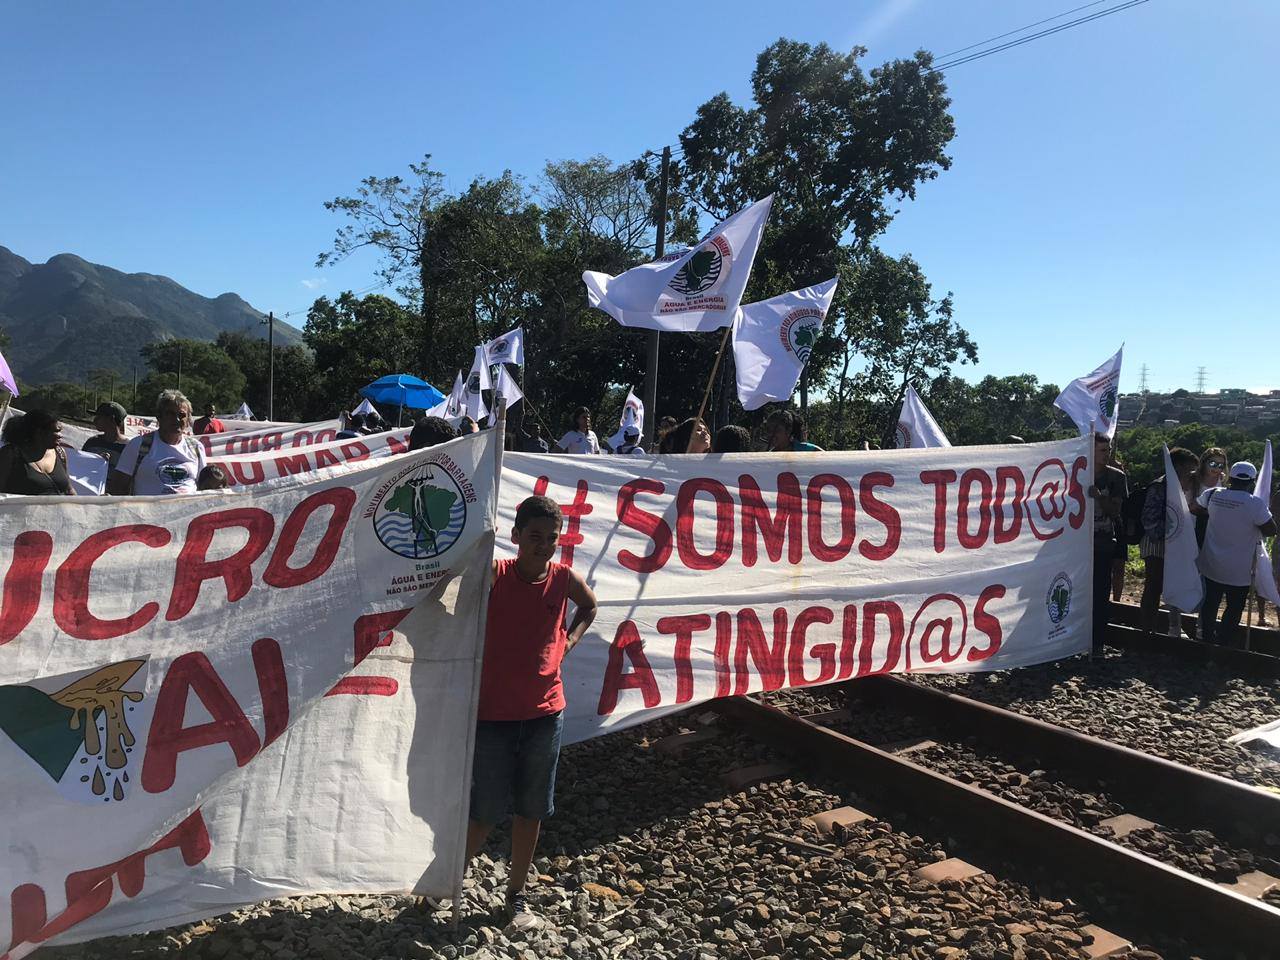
(314, 283)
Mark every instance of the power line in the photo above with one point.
(1009, 33)
(1036, 36)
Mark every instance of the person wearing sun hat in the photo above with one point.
(1237, 519)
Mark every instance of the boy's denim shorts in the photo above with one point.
(514, 768)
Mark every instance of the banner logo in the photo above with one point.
(704, 269)
(903, 433)
(1107, 402)
(80, 734)
(473, 383)
(423, 514)
(799, 331)
(1058, 599)
(499, 347)
(1172, 521)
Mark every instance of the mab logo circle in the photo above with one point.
(422, 515)
(1058, 598)
(799, 332)
(704, 270)
(903, 435)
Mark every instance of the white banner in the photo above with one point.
(697, 289)
(1093, 401)
(729, 574)
(273, 437)
(772, 340)
(215, 699)
(1181, 587)
(265, 466)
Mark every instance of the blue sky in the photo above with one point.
(1113, 182)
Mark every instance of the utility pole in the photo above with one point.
(134, 403)
(1200, 379)
(271, 364)
(1142, 379)
(651, 359)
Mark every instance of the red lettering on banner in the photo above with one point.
(372, 630)
(824, 653)
(940, 479)
(573, 513)
(291, 464)
(782, 528)
(627, 641)
(88, 892)
(278, 572)
(193, 567)
(193, 673)
(652, 526)
(273, 685)
(988, 624)
(848, 639)
(684, 628)
(720, 658)
(22, 582)
(685, 546)
(1048, 491)
(325, 458)
(245, 472)
(969, 539)
(820, 549)
(942, 626)
(1076, 492)
(877, 509)
(353, 451)
(71, 585)
(1005, 476)
(770, 663)
(398, 445)
(893, 652)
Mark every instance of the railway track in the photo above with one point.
(1156, 806)
(1262, 641)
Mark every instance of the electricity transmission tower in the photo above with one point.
(1142, 379)
(1200, 379)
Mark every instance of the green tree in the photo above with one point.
(356, 340)
(208, 375)
(296, 396)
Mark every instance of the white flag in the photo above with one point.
(916, 426)
(244, 413)
(450, 408)
(1182, 586)
(477, 382)
(508, 348)
(631, 421)
(1093, 401)
(772, 340)
(1264, 578)
(507, 387)
(695, 290)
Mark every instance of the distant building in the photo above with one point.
(1226, 408)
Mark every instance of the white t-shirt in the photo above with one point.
(166, 468)
(575, 441)
(1232, 535)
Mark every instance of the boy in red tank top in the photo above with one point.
(521, 695)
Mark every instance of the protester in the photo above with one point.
(786, 430)
(428, 431)
(1151, 544)
(532, 440)
(630, 445)
(212, 477)
(520, 713)
(466, 425)
(1237, 519)
(32, 461)
(373, 423)
(692, 436)
(1213, 467)
(353, 427)
(581, 439)
(165, 461)
(665, 426)
(1109, 489)
(732, 439)
(108, 420)
(209, 423)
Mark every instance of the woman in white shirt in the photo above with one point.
(582, 439)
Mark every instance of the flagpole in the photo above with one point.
(706, 394)
(1251, 599)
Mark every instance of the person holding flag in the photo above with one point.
(1237, 518)
(630, 427)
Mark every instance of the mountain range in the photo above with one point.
(68, 316)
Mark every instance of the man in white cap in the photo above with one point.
(1236, 520)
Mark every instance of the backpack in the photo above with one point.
(144, 450)
(1131, 513)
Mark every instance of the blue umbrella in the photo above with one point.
(402, 390)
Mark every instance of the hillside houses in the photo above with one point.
(1233, 408)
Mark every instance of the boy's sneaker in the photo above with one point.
(522, 918)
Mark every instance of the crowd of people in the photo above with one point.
(1229, 521)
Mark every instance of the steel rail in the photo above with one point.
(1198, 910)
(1169, 793)
(1244, 662)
